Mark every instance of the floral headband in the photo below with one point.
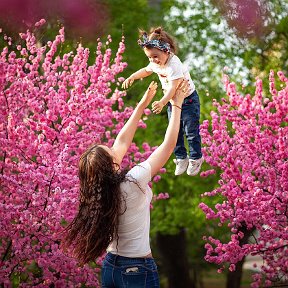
(163, 46)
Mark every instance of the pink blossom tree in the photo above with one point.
(247, 140)
(53, 107)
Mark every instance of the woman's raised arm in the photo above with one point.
(125, 137)
(161, 155)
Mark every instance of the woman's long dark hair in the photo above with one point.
(101, 203)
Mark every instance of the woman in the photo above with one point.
(114, 210)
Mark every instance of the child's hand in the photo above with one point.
(150, 93)
(157, 106)
(128, 82)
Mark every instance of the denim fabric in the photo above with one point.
(125, 272)
(189, 126)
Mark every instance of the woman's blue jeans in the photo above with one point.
(189, 126)
(125, 272)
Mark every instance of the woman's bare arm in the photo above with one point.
(125, 136)
(161, 155)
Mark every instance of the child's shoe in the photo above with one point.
(181, 165)
(194, 166)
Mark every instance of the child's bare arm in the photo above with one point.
(157, 106)
(141, 73)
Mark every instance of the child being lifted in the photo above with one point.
(160, 48)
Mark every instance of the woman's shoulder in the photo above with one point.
(140, 173)
(138, 169)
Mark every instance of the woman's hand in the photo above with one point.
(149, 94)
(128, 82)
(126, 134)
(180, 93)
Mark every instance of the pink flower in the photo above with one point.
(55, 108)
(40, 23)
(245, 142)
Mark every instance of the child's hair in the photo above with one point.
(159, 34)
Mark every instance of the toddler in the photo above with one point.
(160, 48)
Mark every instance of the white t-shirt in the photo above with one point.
(172, 70)
(134, 224)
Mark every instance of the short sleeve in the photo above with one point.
(141, 173)
(149, 67)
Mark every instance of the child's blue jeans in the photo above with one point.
(125, 272)
(189, 126)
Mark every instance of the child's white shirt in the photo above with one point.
(172, 70)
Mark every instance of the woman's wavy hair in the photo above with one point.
(101, 204)
(159, 33)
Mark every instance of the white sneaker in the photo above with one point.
(181, 165)
(194, 166)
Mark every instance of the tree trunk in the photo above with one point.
(156, 4)
(173, 259)
(234, 278)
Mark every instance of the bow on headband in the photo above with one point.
(163, 46)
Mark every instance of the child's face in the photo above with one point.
(156, 56)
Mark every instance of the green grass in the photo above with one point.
(212, 279)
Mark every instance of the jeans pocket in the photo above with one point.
(134, 279)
